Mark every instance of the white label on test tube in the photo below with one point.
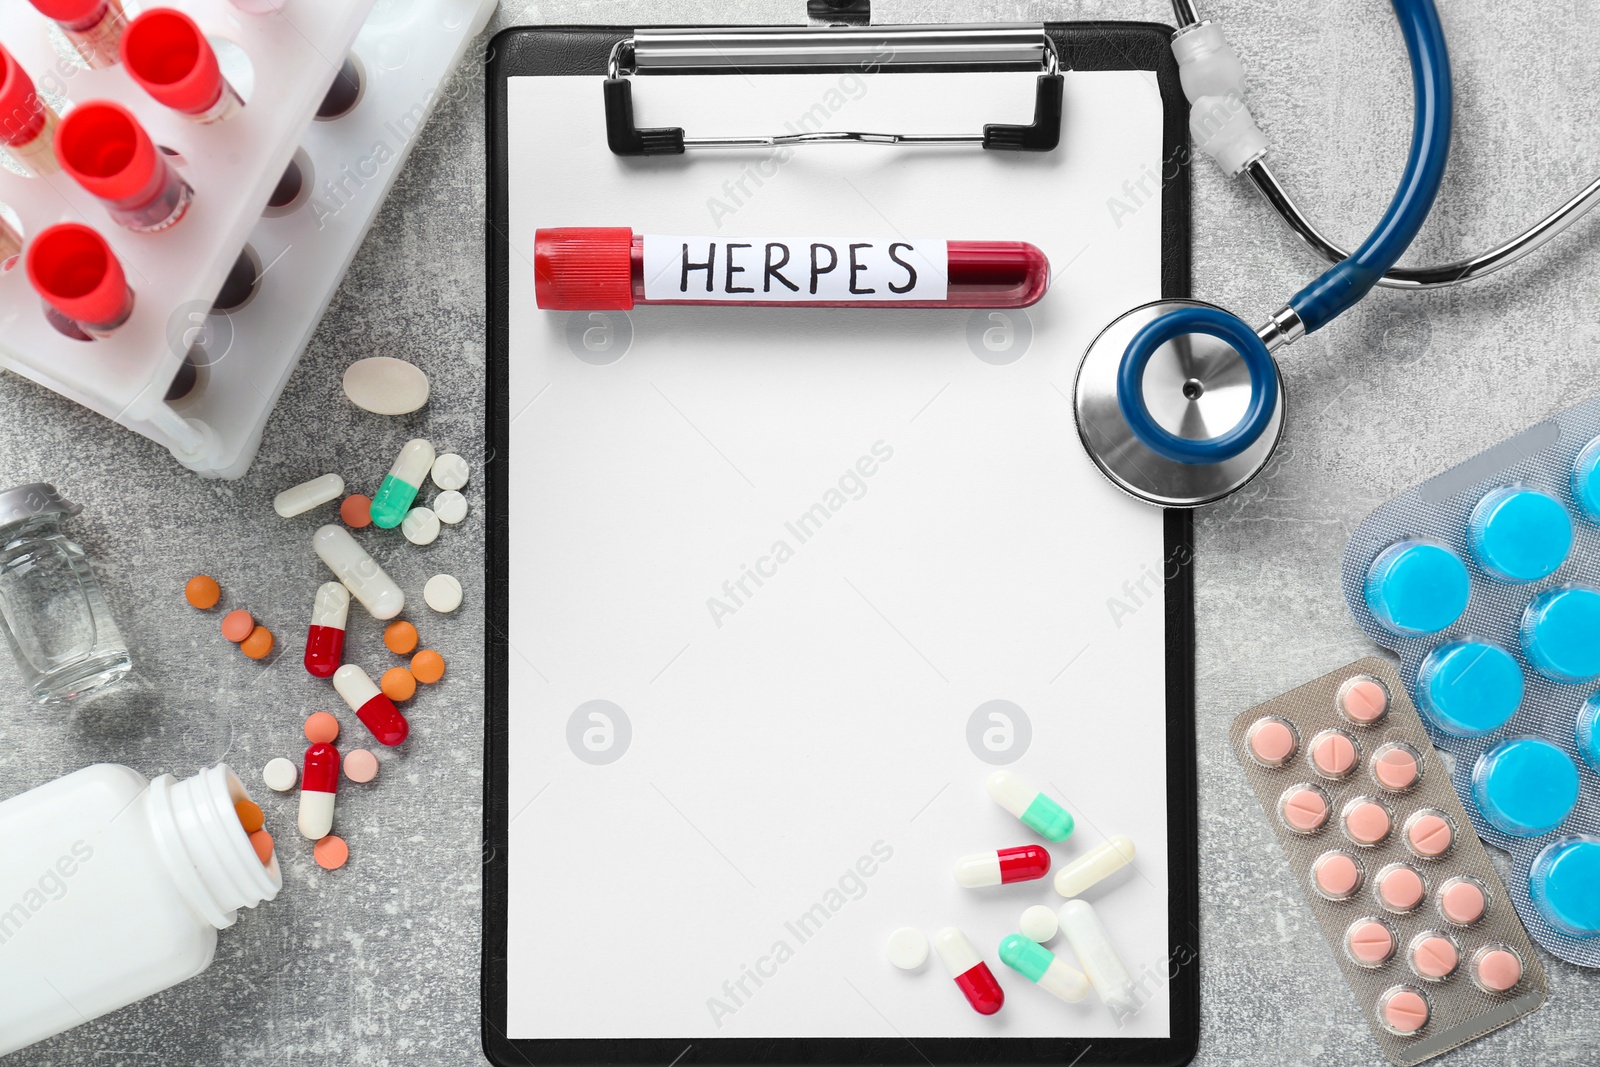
(358, 571)
(299, 499)
(1099, 959)
(1096, 864)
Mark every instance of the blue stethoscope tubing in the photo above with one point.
(1340, 288)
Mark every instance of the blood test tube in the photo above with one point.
(27, 123)
(374, 709)
(1002, 867)
(105, 150)
(325, 639)
(1036, 811)
(358, 571)
(319, 782)
(93, 26)
(74, 270)
(169, 57)
(10, 244)
(583, 268)
(399, 489)
(972, 975)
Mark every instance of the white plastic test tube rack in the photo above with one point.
(403, 51)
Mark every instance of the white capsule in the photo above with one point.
(1096, 864)
(332, 606)
(303, 497)
(316, 814)
(354, 685)
(1099, 959)
(414, 462)
(956, 951)
(358, 571)
(978, 870)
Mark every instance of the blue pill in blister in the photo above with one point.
(1561, 634)
(1589, 731)
(1586, 480)
(1525, 787)
(1519, 534)
(1564, 883)
(1417, 587)
(1469, 688)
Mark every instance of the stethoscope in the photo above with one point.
(1180, 403)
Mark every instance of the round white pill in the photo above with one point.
(450, 471)
(450, 506)
(1039, 923)
(908, 948)
(385, 385)
(421, 526)
(280, 775)
(442, 593)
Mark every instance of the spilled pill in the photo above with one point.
(398, 684)
(1025, 863)
(371, 706)
(442, 593)
(908, 948)
(261, 842)
(259, 644)
(1042, 967)
(360, 765)
(399, 488)
(400, 637)
(450, 506)
(301, 498)
(972, 975)
(420, 526)
(450, 472)
(250, 815)
(1098, 863)
(356, 511)
(358, 571)
(1033, 808)
(1039, 923)
(384, 385)
(321, 727)
(427, 666)
(319, 785)
(331, 853)
(202, 591)
(237, 625)
(280, 775)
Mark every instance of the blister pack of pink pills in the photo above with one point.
(1485, 580)
(1406, 895)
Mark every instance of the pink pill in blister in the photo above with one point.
(1333, 753)
(1462, 901)
(1400, 887)
(1396, 767)
(1403, 1011)
(1272, 742)
(1435, 957)
(1369, 942)
(1304, 809)
(1497, 969)
(1429, 834)
(1363, 700)
(1366, 821)
(1337, 875)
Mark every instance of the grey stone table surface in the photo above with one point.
(380, 966)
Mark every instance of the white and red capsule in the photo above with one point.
(325, 640)
(1025, 863)
(319, 782)
(972, 975)
(374, 709)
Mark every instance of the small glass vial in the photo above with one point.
(27, 123)
(10, 245)
(85, 291)
(105, 150)
(116, 888)
(93, 26)
(170, 58)
(53, 613)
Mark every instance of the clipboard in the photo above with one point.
(515, 917)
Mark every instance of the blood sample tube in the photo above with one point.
(74, 270)
(27, 123)
(93, 26)
(319, 783)
(105, 150)
(169, 57)
(580, 268)
(10, 244)
(325, 640)
(374, 709)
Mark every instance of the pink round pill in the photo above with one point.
(1430, 834)
(1462, 903)
(1363, 700)
(1333, 753)
(1401, 888)
(1395, 767)
(1404, 1011)
(1337, 875)
(237, 625)
(1272, 742)
(1370, 942)
(1304, 809)
(360, 765)
(1498, 969)
(1367, 822)
(1435, 957)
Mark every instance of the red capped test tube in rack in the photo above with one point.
(27, 123)
(170, 58)
(93, 26)
(84, 289)
(582, 268)
(105, 150)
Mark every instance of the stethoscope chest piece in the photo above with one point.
(1195, 387)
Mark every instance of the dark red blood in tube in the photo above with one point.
(74, 270)
(169, 57)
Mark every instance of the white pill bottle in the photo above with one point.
(113, 888)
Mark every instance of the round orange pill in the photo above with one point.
(258, 645)
(398, 684)
(400, 637)
(237, 625)
(322, 728)
(427, 666)
(261, 841)
(331, 852)
(202, 592)
(356, 511)
(250, 815)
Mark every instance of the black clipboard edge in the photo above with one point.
(1083, 46)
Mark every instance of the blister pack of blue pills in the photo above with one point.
(1485, 580)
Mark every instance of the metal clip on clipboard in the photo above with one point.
(833, 49)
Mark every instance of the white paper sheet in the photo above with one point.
(925, 536)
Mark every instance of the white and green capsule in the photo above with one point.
(399, 489)
(1038, 812)
(1041, 967)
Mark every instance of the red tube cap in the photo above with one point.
(21, 110)
(106, 151)
(169, 57)
(73, 268)
(583, 268)
(70, 11)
